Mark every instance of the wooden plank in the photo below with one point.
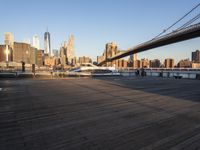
(127, 113)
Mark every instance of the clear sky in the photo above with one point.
(97, 22)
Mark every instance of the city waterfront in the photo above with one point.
(100, 113)
(100, 75)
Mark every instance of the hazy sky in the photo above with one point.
(97, 22)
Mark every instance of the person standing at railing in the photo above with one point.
(137, 72)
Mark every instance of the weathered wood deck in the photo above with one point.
(111, 113)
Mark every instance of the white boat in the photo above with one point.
(88, 69)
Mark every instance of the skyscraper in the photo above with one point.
(68, 49)
(47, 43)
(36, 42)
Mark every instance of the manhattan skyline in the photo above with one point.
(95, 23)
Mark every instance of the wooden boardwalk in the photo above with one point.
(100, 114)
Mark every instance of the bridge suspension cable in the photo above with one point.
(190, 22)
(165, 30)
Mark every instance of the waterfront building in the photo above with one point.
(169, 63)
(40, 58)
(33, 55)
(57, 61)
(138, 62)
(74, 61)
(134, 61)
(101, 58)
(21, 52)
(49, 61)
(135, 64)
(155, 63)
(4, 51)
(195, 65)
(63, 60)
(196, 56)
(185, 63)
(144, 63)
(84, 59)
(121, 63)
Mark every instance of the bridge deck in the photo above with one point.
(110, 113)
(187, 33)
